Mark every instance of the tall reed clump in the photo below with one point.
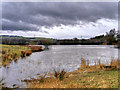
(60, 74)
(115, 63)
(99, 64)
(84, 63)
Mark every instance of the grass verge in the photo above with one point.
(78, 79)
(96, 76)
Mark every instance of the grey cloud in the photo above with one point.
(54, 13)
(8, 25)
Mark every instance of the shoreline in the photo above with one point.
(81, 71)
(84, 75)
(11, 53)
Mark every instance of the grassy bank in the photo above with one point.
(96, 76)
(9, 53)
(101, 79)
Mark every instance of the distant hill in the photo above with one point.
(9, 36)
(111, 38)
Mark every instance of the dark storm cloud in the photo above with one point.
(11, 25)
(51, 14)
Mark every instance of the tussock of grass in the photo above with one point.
(60, 74)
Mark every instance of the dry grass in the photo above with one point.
(36, 48)
(85, 77)
(9, 53)
(49, 82)
(84, 63)
(101, 79)
(115, 63)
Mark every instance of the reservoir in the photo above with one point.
(67, 57)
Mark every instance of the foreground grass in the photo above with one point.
(80, 79)
(101, 79)
(95, 76)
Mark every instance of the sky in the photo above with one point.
(59, 20)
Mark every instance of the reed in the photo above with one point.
(92, 77)
(83, 63)
(114, 64)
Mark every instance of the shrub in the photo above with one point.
(28, 52)
(22, 54)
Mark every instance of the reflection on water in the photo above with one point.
(57, 57)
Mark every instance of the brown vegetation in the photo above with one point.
(114, 64)
(84, 63)
(22, 54)
(13, 52)
(36, 48)
(59, 74)
(26, 53)
(95, 76)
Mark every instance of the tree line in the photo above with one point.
(111, 37)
